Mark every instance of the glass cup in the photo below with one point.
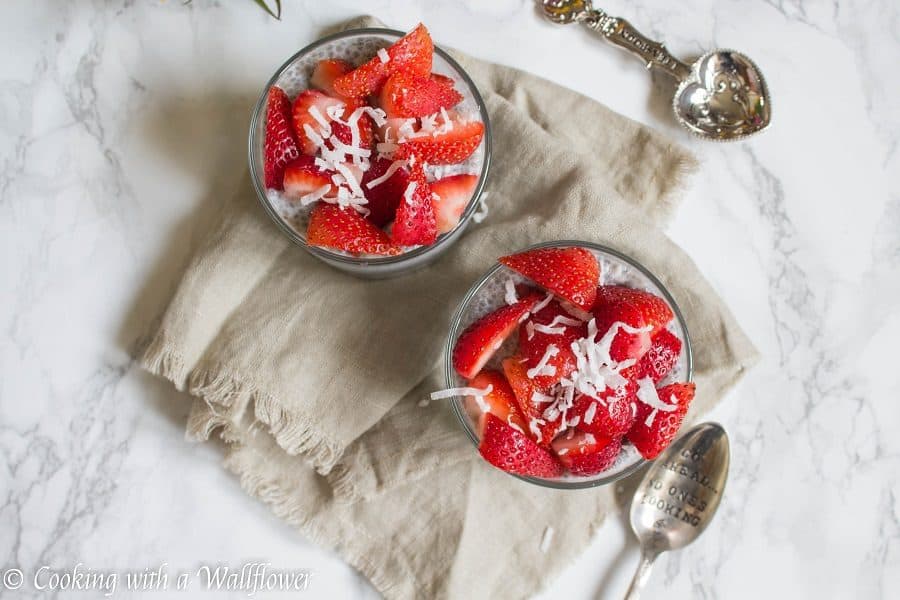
(356, 46)
(488, 295)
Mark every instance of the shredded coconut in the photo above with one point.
(581, 315)
(647, 394)
(408, 194)
(481, 214)
(320, 119)
(546, 539)
(511, 297)
(548, 329)
(383, 56)
(589, 413)
(314, 196)
(540, 398)
(394, 166)
(461, 391)
(542, 368)
(543, 303)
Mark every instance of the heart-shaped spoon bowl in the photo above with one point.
(725, 98)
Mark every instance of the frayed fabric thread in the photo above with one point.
(228, 395)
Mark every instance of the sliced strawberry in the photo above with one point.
(281, 143)
(448, 148)
(513, 452)
(653, 310)
(661, 358)
(326, 72)
(384, 197)
(453, 194)
(478, 343)
(612, 415)
(317, 102)
(534, 344)
(635, 308)
(415, 220)
(443, 80)
(411, 53)
(500, 402)
(654, 429)
(345, 229)
(528, 397)
(302, 177)
(408, 95)
(570, 273)
(585, 453)
(363, 80)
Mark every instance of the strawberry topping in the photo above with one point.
(513, 452)
(281, 143)
(407, 95)
(451, 196)
(570, 273)
(585, 453)
(478, 343)
(499, 402)
(445, 148)
(655, 428)
(411, 53)
(415, 221)
(345, 229)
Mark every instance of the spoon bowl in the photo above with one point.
(678, 496)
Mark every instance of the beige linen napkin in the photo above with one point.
(314, 377)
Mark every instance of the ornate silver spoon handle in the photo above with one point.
(617, 31)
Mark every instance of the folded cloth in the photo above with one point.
(314, 377)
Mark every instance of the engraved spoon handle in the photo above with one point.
(623, 34)
(641, 576)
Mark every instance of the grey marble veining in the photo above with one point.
(122, 125)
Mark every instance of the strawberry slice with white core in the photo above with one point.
(304, 181)
(499, 402)
(451, 196)
(478, 343)
(311, 118)
(570, 273)
(586, 454)
(281, 142)
(512, 451)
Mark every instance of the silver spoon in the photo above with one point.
(678, 496)
(723, 96)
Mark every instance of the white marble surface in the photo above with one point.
(123, 123)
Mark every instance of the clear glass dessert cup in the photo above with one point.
(356, 46)
(488, 294)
